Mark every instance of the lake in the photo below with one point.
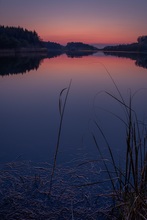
(30, 90)
(29, 96)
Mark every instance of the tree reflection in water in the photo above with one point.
(140, 58)
(26, 62)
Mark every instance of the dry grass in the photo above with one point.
(24, 192)
(129, 192)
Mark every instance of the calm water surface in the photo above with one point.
(29, 112)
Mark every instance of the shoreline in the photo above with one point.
(124, 51)
(22, 51)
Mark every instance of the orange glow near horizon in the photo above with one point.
(101, 36)
(87, 31)
(111, 39)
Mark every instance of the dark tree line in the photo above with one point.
(142, 40)
(17, 37)
(139, 46)
(74, 46)
(52, 45)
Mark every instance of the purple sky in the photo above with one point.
(90, 21)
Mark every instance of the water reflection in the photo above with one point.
(22, 64)
(79, 54)
(25, 63)
(29, 105)
(18, 64)
(140, 58)
(53, 54)
(30, 116)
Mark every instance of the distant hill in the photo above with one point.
(139, 46)
(52, 45)
(75, 46)
(71, 46)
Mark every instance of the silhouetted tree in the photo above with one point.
(142, 40)
(16, 37)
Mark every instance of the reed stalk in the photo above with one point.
(130, 194)
(61, 111)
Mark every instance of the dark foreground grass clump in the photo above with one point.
(129, 181)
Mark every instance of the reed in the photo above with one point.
(61, 111)
(130, 192)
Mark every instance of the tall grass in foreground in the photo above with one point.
(130, 190)
(62, 107)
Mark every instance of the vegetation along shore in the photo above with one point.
(16, 40)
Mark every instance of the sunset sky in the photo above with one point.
(89, 21)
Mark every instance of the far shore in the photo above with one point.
(123, 51)
(13, 52)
